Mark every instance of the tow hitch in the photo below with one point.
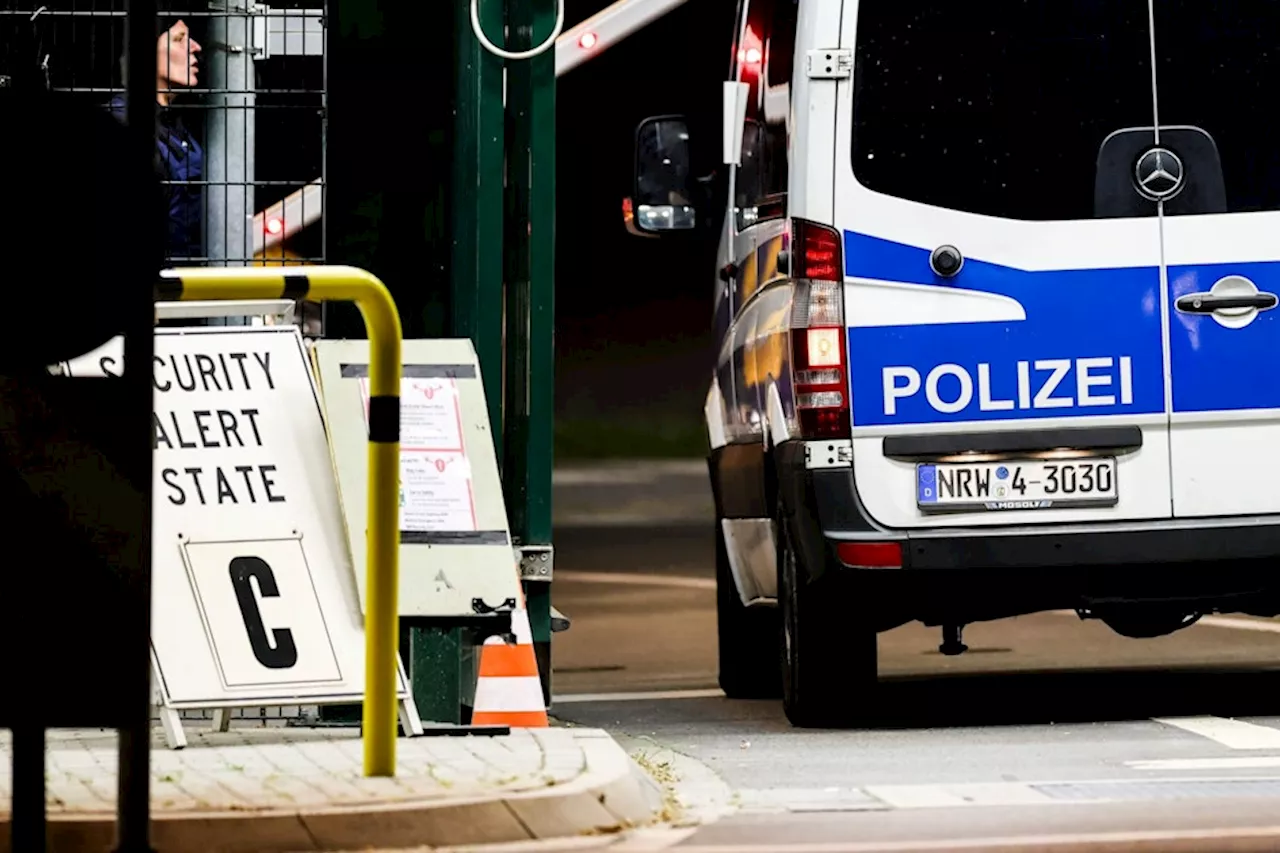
(952, 644)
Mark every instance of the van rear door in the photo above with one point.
(1008, 130)
(1218, 76)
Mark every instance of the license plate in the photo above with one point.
(1016, 484)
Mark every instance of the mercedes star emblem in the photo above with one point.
(1159, 174)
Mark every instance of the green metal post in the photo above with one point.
(477, 200)
(437, 657)
(531, 117)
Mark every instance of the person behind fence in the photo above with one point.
(179, 156)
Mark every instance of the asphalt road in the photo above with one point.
(1050, 732)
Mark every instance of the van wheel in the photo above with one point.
(828, 665)
(748, 638)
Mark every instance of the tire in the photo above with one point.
(748, 638)
(829, 667)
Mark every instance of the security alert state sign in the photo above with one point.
(253, 596)
(222, 381)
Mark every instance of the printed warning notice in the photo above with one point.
(430, 419)
(435, 492)
(435, 476)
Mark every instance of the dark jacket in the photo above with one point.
(180, 160)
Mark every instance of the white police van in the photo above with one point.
(995, 324)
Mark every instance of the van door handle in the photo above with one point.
(1208, 303)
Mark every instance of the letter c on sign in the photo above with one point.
(284, 653)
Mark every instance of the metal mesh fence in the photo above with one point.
(240, 135)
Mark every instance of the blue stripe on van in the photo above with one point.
(1090, 344)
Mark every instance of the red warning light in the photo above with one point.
(587, 41)
(751, 51)
(274, 226)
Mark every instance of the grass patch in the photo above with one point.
(665, 775)
(662, 771)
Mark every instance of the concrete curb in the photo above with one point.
(611, 794)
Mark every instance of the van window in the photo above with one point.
(766, 55)
(998, 107)
(1219, 70)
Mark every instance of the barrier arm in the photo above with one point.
(321, 283)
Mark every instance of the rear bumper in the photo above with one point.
(1098, 545)
(826, 502)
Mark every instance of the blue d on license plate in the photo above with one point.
(1016, 484)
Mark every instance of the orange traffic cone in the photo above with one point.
(509, 692)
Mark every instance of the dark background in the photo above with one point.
(633, 353)
(633, 315)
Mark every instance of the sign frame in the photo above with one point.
(444, 574)
(336, 552)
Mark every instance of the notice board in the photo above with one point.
(456, 557)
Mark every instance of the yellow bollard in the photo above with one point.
(323, 283)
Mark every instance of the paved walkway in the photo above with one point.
(292, 789)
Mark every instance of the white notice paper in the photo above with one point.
(435, 492)
(429, 415)
(435, 476)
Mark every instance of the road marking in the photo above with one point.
(533, 845)
(1251, 762)
(970, 794)
(628, 473)
(827, 799)
(1259, 838)
(640, 696)
(689, 517)
(676, 581)
(650, 838)
(1240, 624)
(1235, 734)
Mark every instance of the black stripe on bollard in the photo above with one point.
(168, 290)
(296, 287)
(384, 419)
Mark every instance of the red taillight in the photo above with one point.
(817, 251)
(818, 336)
(870, 555)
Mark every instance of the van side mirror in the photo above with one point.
(664, 187)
